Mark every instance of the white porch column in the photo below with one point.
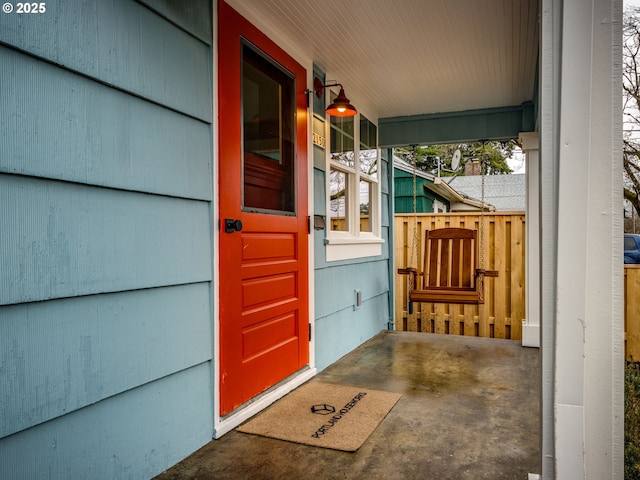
(581, 224)
(531, 325)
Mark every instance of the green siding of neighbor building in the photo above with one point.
(403, 194)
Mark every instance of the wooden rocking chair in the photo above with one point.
(451, 273)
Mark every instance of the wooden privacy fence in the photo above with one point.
(504, 309)
(502, 248)
(632, 312)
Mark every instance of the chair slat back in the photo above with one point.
(450, 259)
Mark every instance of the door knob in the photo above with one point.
(231, 225)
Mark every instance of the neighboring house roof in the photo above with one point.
(459, 202)
(405, 166)
(506, 192)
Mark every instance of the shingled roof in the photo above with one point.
(506, 192)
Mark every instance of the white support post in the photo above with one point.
(582, 325)
(531, 324)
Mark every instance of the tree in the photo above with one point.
(493, 154)
(631, 105)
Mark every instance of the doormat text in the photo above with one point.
(336, 418)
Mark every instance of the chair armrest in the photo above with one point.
(487, 273)
(409, 270)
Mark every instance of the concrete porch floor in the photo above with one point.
(469, 410)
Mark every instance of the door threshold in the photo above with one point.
(254, 406)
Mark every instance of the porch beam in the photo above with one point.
(500, 123)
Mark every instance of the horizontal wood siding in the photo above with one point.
(62, 240)
(194, 16)
(135, 435)
(106, 263)
(65, 126)
(503, 249)
(75, 352)
(123, 44)
(335, 285)
(342, 331)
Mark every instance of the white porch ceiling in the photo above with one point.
(409, 57)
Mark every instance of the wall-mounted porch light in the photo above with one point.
(341, 107)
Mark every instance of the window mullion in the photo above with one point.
(354, 216)
(356, 179)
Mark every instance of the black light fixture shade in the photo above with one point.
(341, 107)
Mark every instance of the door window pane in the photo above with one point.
(268, 133)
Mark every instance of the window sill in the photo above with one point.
(346, 248)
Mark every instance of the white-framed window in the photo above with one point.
(353, 186)
(439, 207)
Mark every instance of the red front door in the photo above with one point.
(263, 212)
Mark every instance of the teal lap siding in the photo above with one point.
(68, 127)
(106, 238)
(75, 352)
(134, 435)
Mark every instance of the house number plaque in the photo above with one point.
(318, 140)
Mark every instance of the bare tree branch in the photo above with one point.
(631, 105)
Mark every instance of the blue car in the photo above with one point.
(631, 248)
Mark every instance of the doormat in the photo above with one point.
(324, 415)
